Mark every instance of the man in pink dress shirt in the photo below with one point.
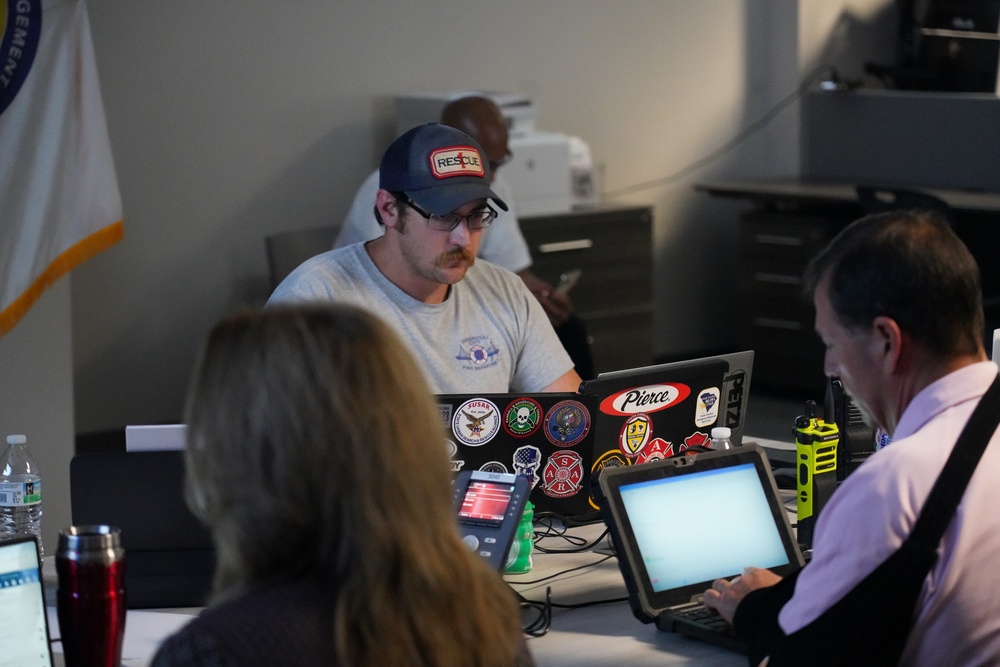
(899, 309)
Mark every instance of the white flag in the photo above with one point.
(59, 200)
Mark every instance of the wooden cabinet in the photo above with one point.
(614, 296)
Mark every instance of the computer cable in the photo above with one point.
(541, 623)
(824, 74)
(560, 573)
(546, 527)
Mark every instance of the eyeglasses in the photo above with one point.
(501, 162)
(478, 219)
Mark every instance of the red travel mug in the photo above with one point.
(90, 562)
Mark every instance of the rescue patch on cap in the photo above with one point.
(456, 161)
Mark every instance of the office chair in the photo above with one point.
(286, 250)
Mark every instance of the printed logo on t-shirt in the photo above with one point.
(478, 352)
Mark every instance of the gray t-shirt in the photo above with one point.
(490, 335)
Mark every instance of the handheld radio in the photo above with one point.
(489, 506)
(816, 442)
(857, 440)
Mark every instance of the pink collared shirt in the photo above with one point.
(873, 511)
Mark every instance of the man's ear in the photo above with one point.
(386, 208)
(887, 342)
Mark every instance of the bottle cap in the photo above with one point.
(721, 432)
(16, 440)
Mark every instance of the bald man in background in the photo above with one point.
(502, 243)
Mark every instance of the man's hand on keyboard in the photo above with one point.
(724, 596)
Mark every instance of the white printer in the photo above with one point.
(548, 172)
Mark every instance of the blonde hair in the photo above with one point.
(315, 450)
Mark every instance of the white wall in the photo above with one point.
(36, 399)
(234, 119)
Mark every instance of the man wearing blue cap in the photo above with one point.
(475, 327)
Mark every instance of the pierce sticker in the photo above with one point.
(650, 398)
(522, 417)
(456, 161)
(567, 423)
(527, 461)
(706, 411)
(563, 475)
(476, 422)
(636, 433)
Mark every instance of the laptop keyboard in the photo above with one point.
(696, 620)
(708, 619)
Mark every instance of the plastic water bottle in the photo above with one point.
(20, 492)
(519, 556)
(720, 438)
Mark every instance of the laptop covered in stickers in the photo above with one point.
(655, 412)
(547, 438)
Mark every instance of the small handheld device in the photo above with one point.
(857, 440)
(568, 281)
(489, 507)
(816, 441)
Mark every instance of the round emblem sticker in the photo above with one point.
(612, 458)
(567, 423)
(494, 466)
(476, 422)
(636, 432)
(563, 475)
(523, 417)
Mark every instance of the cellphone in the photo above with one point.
(568, 281)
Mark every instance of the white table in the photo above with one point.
(606, 634)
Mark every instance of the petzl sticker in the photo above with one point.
(522, 417)
(706, 411)
(563, 475)
(636, 432)
(651, 398)
(476, 422)
(567, 423)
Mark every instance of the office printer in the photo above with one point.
(548, 172)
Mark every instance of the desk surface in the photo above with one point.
(605, 634)
(829, 193)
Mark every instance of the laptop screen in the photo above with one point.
(730, 526)
(678, 524)
(24, 633)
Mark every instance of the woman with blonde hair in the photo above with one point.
(315, 456)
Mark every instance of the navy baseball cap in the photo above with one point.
(439, 168)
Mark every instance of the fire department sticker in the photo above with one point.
(563, 475)
(567, 423)
(610, 459)
(636, 432)
(476, 422)
(523, 417)
(657, 450)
